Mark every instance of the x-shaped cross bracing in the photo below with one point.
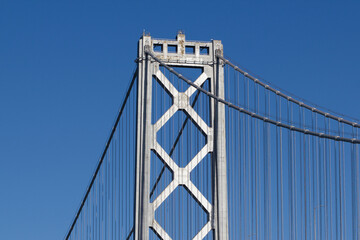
(182, 175)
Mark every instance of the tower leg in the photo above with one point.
(221, 228)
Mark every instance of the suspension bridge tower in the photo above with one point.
(207, 152)
(180, 53)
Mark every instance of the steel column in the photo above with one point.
(144, 138)
(221, 228)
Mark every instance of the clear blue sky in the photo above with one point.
(64, 66)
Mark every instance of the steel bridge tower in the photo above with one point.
(202, 55)
(197, 136)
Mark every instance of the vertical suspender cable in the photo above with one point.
(353, 188)
(304, 174)
(281, 177)
(290, 181)
(257, 157)
(343, 182)
(357, 189)
(277, 173)
(340, 185)
(325, 159)
(330, 185)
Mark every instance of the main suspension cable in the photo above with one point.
(289, 98)
(102, 156)
(257, 116)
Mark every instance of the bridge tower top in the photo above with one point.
(182, 52)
